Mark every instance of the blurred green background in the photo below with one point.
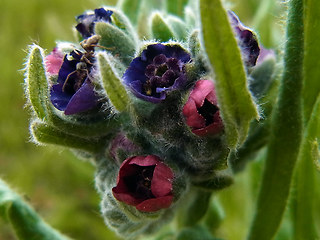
(53, 180)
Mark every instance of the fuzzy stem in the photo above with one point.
(285, 135)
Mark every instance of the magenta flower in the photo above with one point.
(157, 71)
(247, 40)
(54, 61)
(201, 110)
(144, 182)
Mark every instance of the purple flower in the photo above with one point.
(87, 21)
(201, 110)
(144, 182)
(246, 39)
(74, 91)
(158, 70)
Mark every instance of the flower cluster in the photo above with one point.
(152, 125)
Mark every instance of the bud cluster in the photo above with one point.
(146, 112)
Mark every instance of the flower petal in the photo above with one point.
(155, 204)
(59, 98)
(84, 99)
(161, 184)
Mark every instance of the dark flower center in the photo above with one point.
(139, 184)
(162, 72)
(207, 111)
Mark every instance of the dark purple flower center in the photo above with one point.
(139, 184)
(162, 72)
(207, 111)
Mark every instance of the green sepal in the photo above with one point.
(161, 31)
(190, 17)
(122, 22)
(112, 84)
(261, 77)
(179, 28)
(45, 133)
(97, 126)
(195, 233)
(130, 8)
(120, 44)
(200, 61)
(176, 7)
(237, 108)
(194, 43)
(25, 221)
(36, 81)
(216, 183)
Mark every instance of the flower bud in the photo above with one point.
(145, 182)
(201, 110)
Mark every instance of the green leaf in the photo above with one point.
(176, 7)
(303, 207)
(236, 106)
(25, 221)
(116, 41)
(315, 154)
(311, 85)
(160, 29)
(123, 23)
(130, 8)
(285, 133)
(179, 28)
(36, 81)
(112, 84)
(44, 133)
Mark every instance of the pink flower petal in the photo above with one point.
(161, 184)
(155, 204)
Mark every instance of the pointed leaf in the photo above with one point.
(123, 23)
(160, 29)
(235, 102)
(25, 221)
(116, 41)
(115, 90)
(86, 127)
(36, 81)
(179, 28)
(44, 133)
